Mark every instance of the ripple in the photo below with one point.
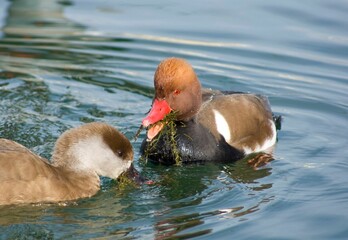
(60, 72)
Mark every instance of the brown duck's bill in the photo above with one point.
(134, 175)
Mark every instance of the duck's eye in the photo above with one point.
(176, 92)
(119, 153)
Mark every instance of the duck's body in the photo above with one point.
(218, 126)
(81, 155)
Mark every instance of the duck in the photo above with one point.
(210, 125)
(80, 156)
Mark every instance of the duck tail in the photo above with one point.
(278, 121)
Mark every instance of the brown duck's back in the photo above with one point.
(27, 178)
(248, 117)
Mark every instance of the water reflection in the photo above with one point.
(182, 182)
(172, 226)
(32, 30)
(242, 172)
(41, 54)
(39, 18)
(105, 210)
(185, 188)
(20, 214)
(27, 26)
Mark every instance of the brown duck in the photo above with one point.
(80, 156)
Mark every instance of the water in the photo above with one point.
(63, 63)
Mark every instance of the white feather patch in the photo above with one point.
(93, 154)
(222, 125)
(269, 142)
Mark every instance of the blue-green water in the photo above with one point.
(63, 63)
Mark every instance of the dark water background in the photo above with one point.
(63, 63)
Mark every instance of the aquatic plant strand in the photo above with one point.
(124, 182)
(136, 135)
(169, 133)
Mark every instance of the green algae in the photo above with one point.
(169, 133)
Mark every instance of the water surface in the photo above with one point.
(64, 63)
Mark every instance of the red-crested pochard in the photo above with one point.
(80, 156)
(210, 125)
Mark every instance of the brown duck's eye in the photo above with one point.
(119, 153)
(176, 92)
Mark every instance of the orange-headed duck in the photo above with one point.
(80, 156)
(210, 125)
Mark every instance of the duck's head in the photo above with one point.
(94, 147)
(177, 88)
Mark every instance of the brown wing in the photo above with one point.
(27, 178)
(19, 163)
(247, 115)
(20, 172)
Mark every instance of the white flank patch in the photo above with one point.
(222, 125)
(269, 142)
